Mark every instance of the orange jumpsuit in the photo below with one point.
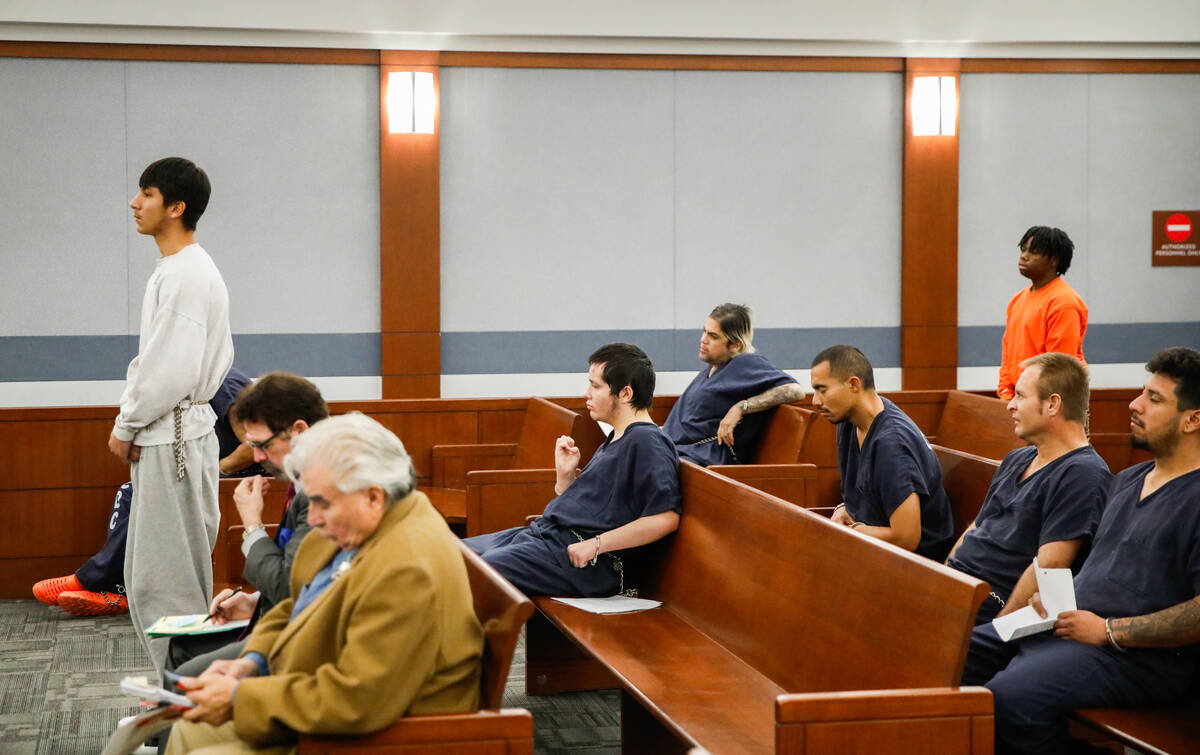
(1053, 318)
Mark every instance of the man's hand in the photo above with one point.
(248, 497)
(730, 421)
(840, 516)
(230, 606)
(213, 694)
(566, 456)
(123, 449)
(1081, 626)
(237, 668)
(582, 553)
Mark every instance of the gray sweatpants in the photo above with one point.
(172, 531)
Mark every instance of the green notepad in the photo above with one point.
(198, 623)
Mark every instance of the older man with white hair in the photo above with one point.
(379, 624)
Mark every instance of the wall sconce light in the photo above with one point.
(934, 105)
(410, 102)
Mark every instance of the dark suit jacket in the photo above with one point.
(268, 567)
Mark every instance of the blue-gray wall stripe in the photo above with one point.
(36, 358)
(1104, 343)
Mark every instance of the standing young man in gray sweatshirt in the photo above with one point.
(165, 426)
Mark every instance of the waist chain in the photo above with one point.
(177, 443)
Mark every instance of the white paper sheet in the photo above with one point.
(615, 604)
(1057, 588)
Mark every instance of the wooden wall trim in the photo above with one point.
(189, 53)
(1077, 65)
(669, 62)
(929, 246)
(409, 252)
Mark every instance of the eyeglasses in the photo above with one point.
(261, 445)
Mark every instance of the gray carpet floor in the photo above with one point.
(60, 676)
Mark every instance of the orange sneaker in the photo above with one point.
(88, 603)
(48, 590)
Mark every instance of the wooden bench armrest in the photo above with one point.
(450, 733)
(452, 462)
(499, 499)
(957, 719)
(794, 483)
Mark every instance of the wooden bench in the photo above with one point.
(1168, 730)
(966, 479)
(775, 468)
(1116, 450)
(979, 425)
(491, 730)
(543, 423)
(779, 632)
(497, 500)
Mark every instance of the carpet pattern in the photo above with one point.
(60, 695)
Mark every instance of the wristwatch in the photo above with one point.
(744, 406)
(250, 529)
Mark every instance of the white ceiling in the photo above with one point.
(921, 28)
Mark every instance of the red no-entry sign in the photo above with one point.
(1173, 242)
(1179, 227)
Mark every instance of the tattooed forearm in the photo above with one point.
(780, 394)
(1170, 627)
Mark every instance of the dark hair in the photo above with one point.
(626, 365)
(1066, 376)
(179, 180)
(278, 399)
(846, 362)
(1183, 365)
(734, 321)
(1051, 242)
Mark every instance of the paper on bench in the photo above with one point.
(614, 604)
(1058, 594)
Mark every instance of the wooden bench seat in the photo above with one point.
(1172, 729)
(491, 730)
(769, 615)
(543, 423)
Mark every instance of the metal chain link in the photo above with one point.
(618, 566)
(177, 445)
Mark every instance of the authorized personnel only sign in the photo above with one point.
(1175, 239)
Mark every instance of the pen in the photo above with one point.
(217, 610)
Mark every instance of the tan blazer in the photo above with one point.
(395, 634)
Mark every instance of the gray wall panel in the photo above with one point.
(1023, 161)
(293, 155)
(1144, 156)
(1094, 155)
(555, 199)
(784, 180)
(63, 191)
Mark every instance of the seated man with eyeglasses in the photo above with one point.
(273, 410)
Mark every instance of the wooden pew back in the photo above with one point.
(544, 422)
(976, 424)
(502, 610)
(785, 435)
(737, 551)
(966, 479)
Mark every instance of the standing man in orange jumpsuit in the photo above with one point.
(1046, 317)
